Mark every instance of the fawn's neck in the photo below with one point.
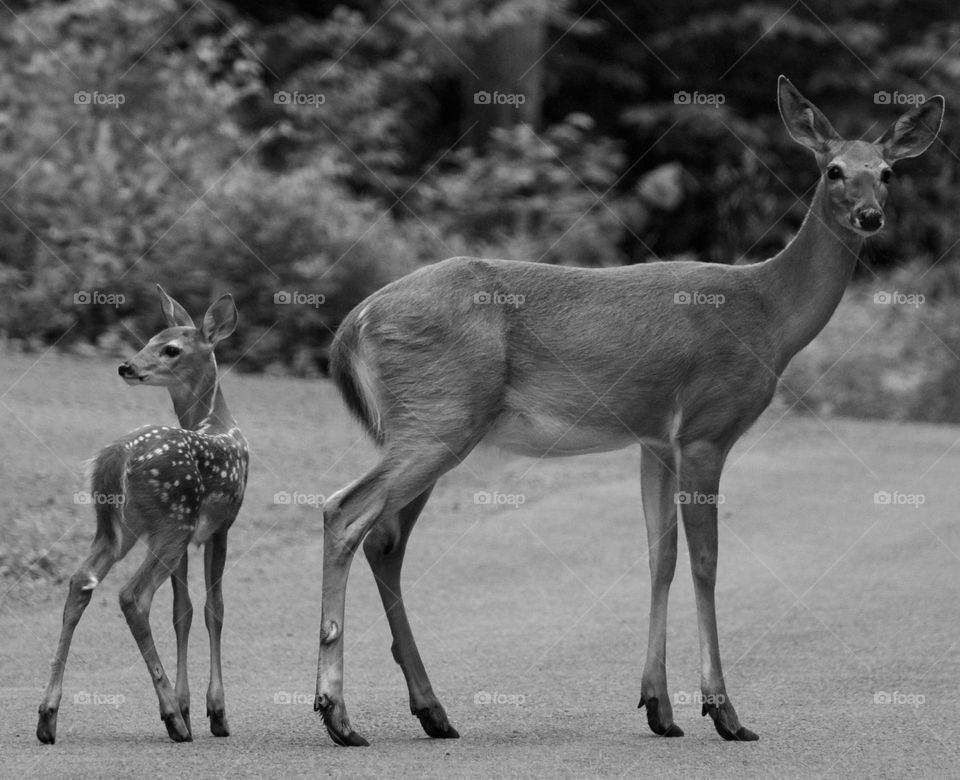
(806, 280)
(201, 405)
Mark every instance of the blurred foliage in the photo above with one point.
(545, 189)
(892, 351)
(325, 148)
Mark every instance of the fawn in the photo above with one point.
(168, 486)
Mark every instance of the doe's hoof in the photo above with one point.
(653, 719)
(435, 723)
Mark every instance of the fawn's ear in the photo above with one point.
(173, 312)
(912, 133)
(805, 122)
(220, 320)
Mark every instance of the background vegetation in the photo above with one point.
(325, 148)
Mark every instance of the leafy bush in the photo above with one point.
(547, 190)
(103, 201)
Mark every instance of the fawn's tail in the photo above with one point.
(109, 491)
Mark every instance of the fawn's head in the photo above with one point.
(176, 354)
(856, 173)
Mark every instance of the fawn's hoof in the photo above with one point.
(218, 723)
(434, 721)
(335, 718)
(653, 719)
(47, 725)
(176, 728)
(728, 727)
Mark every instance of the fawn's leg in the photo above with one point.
(384, 547)
(659, 491)
(215, 555)
(182, 618)
(163, 557)
(700, 466)
(103, 554)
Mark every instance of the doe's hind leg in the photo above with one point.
(384, 547)
(348, 516)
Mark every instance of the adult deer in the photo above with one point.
(168, 486)
(586, 360)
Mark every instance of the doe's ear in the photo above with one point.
(220, 320)
(913, 132)
(805, 122)
(173, 312)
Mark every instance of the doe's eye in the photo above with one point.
(885, 175)
(171, 350)
(834, 172)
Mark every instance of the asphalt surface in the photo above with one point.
(837, 612)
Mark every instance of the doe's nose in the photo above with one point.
(125, 370)
(870, 219)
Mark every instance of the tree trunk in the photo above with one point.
(509, 64)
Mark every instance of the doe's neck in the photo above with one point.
(806, 280)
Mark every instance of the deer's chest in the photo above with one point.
(221, 465)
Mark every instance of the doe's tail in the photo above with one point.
(351, 368)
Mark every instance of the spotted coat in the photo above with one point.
(188, 474)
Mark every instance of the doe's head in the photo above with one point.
(175, 354)
(856, 173)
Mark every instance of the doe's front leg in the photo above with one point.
(700, 467)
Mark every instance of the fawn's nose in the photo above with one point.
(870, 220)
(126, 370)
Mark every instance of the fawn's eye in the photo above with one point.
(885, 175)
(171, 350)
(834, 172)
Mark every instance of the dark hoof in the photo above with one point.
(47, 726)
(653, 719)
(218, 723)
(338, 727)
(435, 723)
(741, 734)
(185, 714)
(346, 740)
(176, 728)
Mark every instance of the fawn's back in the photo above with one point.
(177, 475)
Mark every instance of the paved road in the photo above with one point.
(838, 620)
